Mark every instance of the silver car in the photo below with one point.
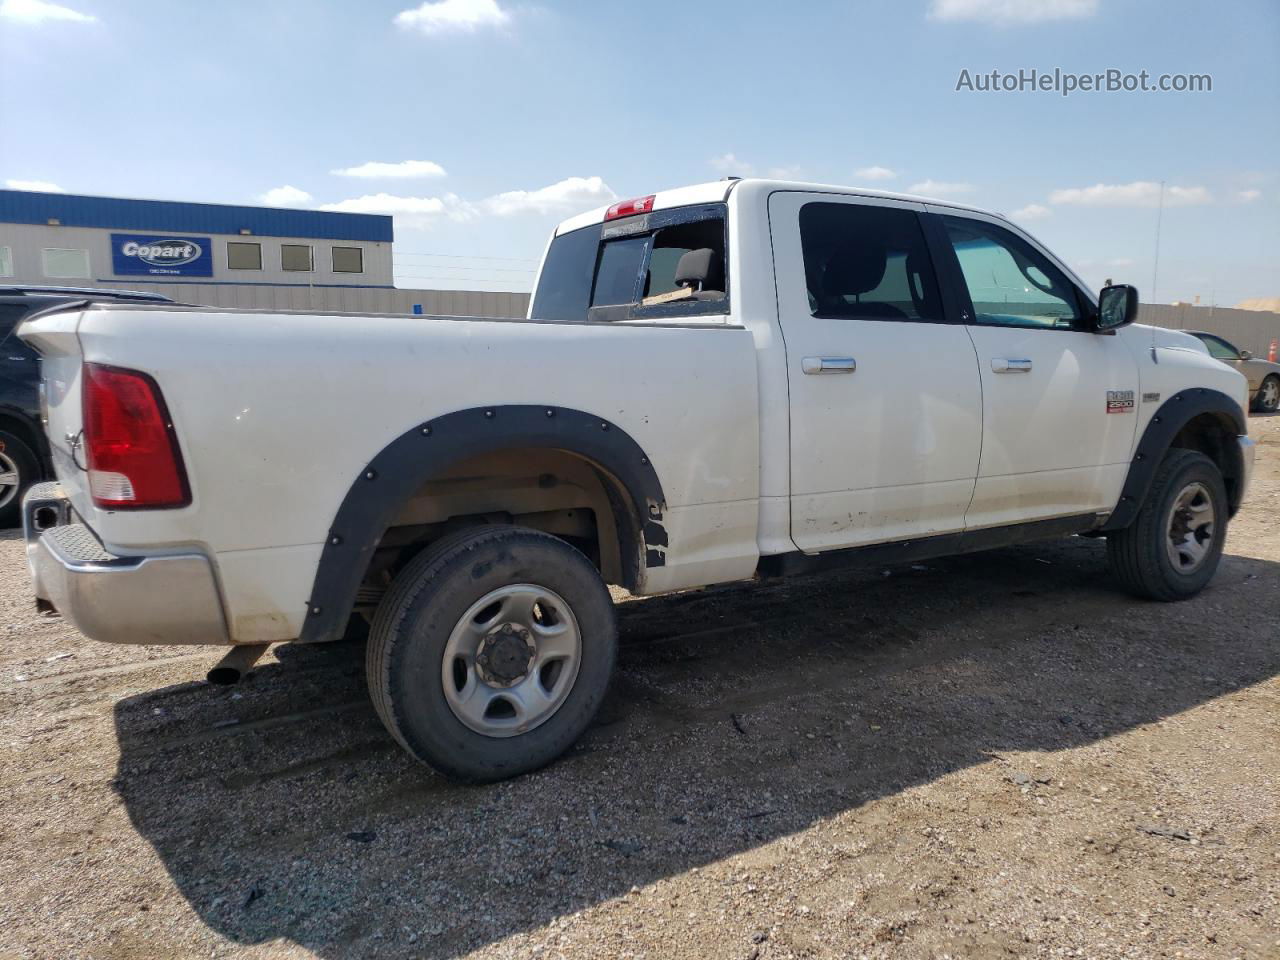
(1263, 376)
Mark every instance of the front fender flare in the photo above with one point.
(431, 448)
(1174, 414)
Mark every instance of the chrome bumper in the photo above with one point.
(165, 599)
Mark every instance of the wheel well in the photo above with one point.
(555, 491)
(1214, 435)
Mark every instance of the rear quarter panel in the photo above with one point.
(278, 414)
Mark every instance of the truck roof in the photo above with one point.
(716, 191)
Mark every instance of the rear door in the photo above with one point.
(885, 397)
(1058, 402)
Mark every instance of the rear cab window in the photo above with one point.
(659, 265)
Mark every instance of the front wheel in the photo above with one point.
(1172, 548)
(492, 652)
(1268, 399)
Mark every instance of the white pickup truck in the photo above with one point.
(736, 379)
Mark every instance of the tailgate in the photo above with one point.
(53, 336)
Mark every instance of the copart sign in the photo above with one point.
(149, 254)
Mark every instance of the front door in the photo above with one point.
(1059, 403)
(885, 397)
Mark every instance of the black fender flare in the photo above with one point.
(1172, 415)
(432, 447)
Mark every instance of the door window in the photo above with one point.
(1011, 283)
(867, 262)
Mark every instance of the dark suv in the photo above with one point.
(24, 451)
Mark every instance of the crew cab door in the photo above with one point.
(885, 397)
(1058, 402)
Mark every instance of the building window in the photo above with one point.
(6, 261)
(61, 264)
(244, 256)
(295, 257)
(348, 260)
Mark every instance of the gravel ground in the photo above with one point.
(991, 756)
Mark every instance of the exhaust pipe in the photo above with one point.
(231, 669)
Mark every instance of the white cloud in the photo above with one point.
(1140, 193)
(1032, 211)
(874, 173)
(413, 211)
(285, 196)
(36, 186)
(39, 11)
(1248, 196)
(1003, 13)
(403, 170)
(730, 165)
(452, 16)
(940, 188)
(569, 195)
(784, 173)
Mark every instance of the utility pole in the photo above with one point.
(1155, 266)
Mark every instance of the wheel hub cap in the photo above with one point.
(511, 660)
(1190, 528)
(505, 655)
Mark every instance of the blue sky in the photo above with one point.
(481, 123)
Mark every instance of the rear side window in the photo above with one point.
(867, 262)
(669, 263)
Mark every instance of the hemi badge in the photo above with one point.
(1151, 398)
(1119, 401)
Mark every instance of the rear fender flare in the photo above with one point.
(432, 447)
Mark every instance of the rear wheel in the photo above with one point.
(19, 469)
(492, 652)
(1172, 548)
(1268, 399)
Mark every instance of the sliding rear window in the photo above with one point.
(627, 269)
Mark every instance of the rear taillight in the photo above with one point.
(132, 452)
(627, 208)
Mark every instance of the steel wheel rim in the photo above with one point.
(511, 660)
(1190, 528)
(9, 479)
(1271, 394)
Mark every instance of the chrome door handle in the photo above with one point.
(1003, 365)
(812, 365)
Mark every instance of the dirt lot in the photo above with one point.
(989, 757)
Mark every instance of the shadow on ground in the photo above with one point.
(282, 809)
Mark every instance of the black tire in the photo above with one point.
(412, 626)
(1138, 554)
(22, 458)
(1263, 405)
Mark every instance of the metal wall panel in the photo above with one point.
(126, 215)
(1251, 330)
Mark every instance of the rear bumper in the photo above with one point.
(165, 599)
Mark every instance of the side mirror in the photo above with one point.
(1246, 355)
(1117, 306)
